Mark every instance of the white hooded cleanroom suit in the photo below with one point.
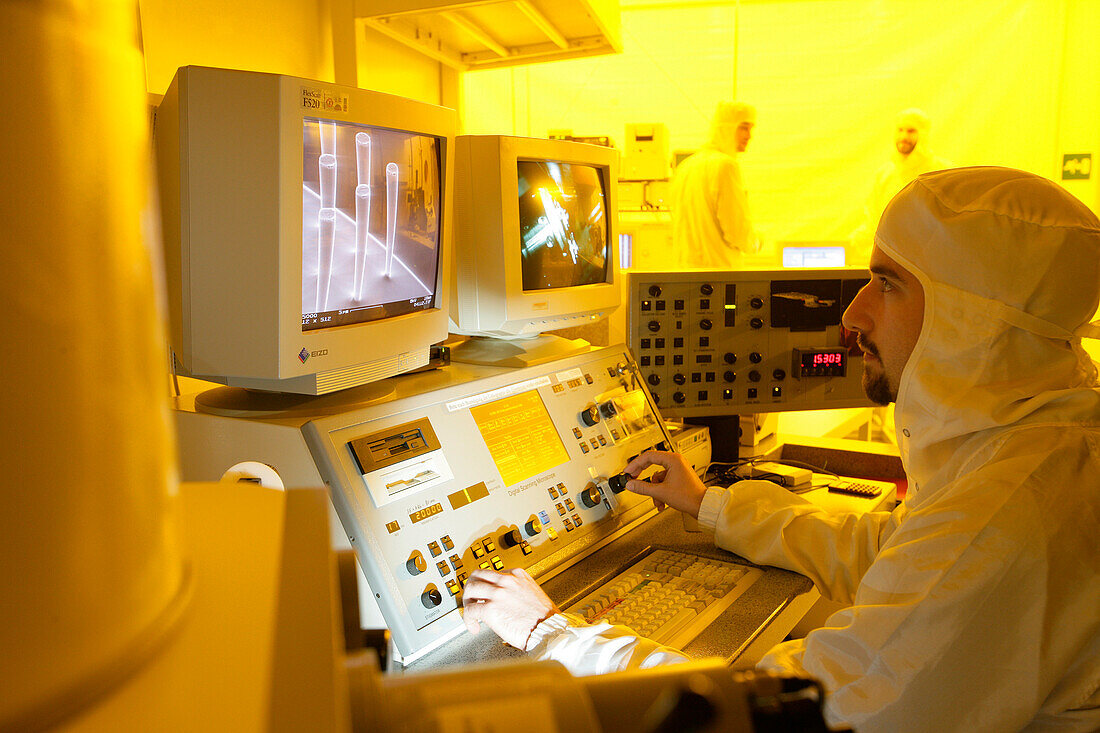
(975, 603)
(893, 177)
(711, 225)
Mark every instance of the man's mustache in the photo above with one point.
(868, 347)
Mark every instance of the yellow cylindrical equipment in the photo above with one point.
(89, 552)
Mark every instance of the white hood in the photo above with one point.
(1007, 315)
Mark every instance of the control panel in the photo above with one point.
(509, 471)
(738, 342)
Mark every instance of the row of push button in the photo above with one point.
(560, 490)
(445, 540)
(678, 304)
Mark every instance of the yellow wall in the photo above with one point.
(278, 36)
(291, 37)
(1005, 82)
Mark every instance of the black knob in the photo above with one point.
(416, 563)
(705, 324)
(511, 538)
(590, 497)
(655, 291)
(730, 357)
(533, 526)
(679, 378)
(654, 379)
(618, 482)
(755, 357)
(754, 376)
(608, 409)
(654, 326)
(656, 399)
(431, 597)
(756, 303)
(706, 288)
(756, 323)
(678, 398)
(590, 415)
(730, 376)
(779, 375)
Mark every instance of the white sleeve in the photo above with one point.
(769, 525)
(586, 649)
(732, 209)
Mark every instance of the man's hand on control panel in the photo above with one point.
(511, 604)
(677, 485)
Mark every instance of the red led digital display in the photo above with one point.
(828, 359)
(822, 362)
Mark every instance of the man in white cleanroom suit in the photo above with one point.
(711, 226)
(975, 605)
(911, 158)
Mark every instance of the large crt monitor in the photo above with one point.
(536, 243)
(306, 227)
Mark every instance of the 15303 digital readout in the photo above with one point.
(832, 362)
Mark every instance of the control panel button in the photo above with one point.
(756, 323)
(448, 545)
(655, 291)
(590, 415)
(706, 289)
(551, 533)
(526, 548)
(416, 563)
(431, 597)
(754, 376)
(453, 587)
(561, 489)
(729, 357)
(498, 564)
(433, 547)
(706, 324)
(489, 546)
(608, 409)
(443, 568)
(577, 520)
(730, 376)
(533, 527)
(779, 375)
(654, 326)
(755, 357)
(679, 398)
(756, 303)
(679, 378)
(456, 561)
(569, 504)
(511, 538)
(478, 552)
(653, 379)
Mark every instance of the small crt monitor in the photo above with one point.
(813, 254)
(306, 229)
(536, 245)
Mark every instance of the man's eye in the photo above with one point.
(885, 284)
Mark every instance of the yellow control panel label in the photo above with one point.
(520, 435)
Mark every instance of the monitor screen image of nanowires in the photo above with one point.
(371, 202)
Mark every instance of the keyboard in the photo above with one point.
(668, 596)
